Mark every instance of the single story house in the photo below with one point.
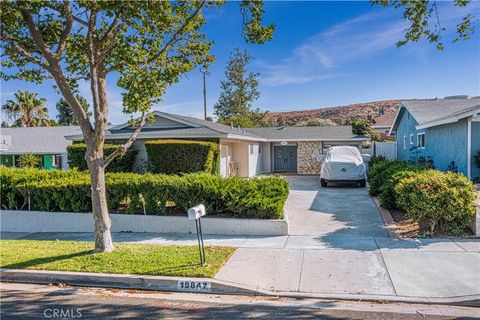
(382, 124)
(446, 131)
(47, 142)
(244, 152)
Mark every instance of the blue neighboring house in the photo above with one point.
(446, 131)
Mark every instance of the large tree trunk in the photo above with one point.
(103, 237)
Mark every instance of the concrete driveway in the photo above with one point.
(332, 211)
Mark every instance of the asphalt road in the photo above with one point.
(24, 301)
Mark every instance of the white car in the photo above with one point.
(343, 164)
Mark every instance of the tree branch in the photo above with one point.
(172, 40)
(109, 39)
(68, 27)
(21, 51)
(36, 35)
(123, 148)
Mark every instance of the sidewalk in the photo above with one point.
(333, 266)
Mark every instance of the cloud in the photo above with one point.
(323, 55)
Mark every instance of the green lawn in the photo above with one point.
(126, 259)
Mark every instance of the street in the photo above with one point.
(28, 301)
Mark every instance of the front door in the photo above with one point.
(285, 159)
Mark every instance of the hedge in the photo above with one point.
(441, 201)
(76, 158)
(156, 194)
(183, 156)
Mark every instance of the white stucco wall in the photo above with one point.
(240, 156)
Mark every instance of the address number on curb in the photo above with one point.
(194, 285)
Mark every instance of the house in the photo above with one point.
(446, 131)
(382, 124)
(244, 152)
(47, 142)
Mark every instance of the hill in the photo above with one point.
(367, 110)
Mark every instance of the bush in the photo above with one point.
(156, 194)
(382, 171)
(374, 160)
(76, 158)
(440, 201)
(182, 156)
(30, 160)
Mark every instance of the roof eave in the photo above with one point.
(473, 113)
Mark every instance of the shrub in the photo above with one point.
(381, 171)
(29, 160)
(440, 201)
(387, 194)
(156, 194)
(76, 158)
(11, 179)
(374, 160)
(182, 156)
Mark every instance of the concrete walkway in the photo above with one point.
(337, 246)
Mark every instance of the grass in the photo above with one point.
(126, 259)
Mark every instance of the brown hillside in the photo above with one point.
(368, 110)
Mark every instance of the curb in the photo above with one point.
(126, 281)
(204, 285)
(387, 219)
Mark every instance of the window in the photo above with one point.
(260, 149)
(411, 139)
(404, 142)
(421, 140)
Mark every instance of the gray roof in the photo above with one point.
(207, 129)
(214, 126)
(425, 111)
(306, 133)
(40, 140)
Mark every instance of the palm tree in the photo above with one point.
(27, 110)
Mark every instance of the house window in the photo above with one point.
(404, 142)
(411, 139)
(421, 140)
(260, 149)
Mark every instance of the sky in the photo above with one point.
(323, 54)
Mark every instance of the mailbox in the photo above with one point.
(196, 212)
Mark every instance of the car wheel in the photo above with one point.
(323, 182)
(363, 184)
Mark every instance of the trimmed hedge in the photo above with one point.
(76, 158)
(159, 194)
(183, 156)
(441, 201)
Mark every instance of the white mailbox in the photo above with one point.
(196, 212)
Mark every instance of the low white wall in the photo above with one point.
(38, 221)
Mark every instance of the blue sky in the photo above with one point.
(323, 54)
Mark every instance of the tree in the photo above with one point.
(239, 91)
(147, 45)
(360, 126)
(425, 22)
(65, 116)
(29, 160)
(318, 122)
(27, 110)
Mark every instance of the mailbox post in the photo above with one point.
(196, 213)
